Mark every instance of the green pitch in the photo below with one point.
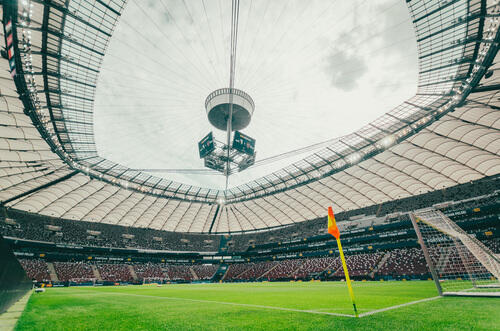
(257, 306)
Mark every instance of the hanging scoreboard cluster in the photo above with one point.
(215, 155)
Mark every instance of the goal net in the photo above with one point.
(153, 281)
(81, 281)
(459, 263)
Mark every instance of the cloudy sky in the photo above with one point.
(316, 69)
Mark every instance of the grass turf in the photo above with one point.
(212, 307)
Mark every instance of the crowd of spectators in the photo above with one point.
(493, 245)
(36, 269)
(360, 264)
(395, 263)
(401, 262)
(180, 272)
(24, 225)
(115, 272)
(67, 271)
(234, 270)
(284, 269)
(150, 270)
(205, 271)
(314, 266)
(390, 263)
(469, 195)
(36, 227)
(249, 271)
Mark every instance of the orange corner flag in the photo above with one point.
(334, 231)
(332, 225)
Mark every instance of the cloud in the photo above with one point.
(344, 70)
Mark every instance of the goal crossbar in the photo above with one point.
(459, 263)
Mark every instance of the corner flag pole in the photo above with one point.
(334, 231)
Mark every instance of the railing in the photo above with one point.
(234, 91)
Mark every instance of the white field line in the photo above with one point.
(235, 304)
(330, 309)
(317, 311)
(397, 306)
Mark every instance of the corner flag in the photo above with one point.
(334, 231)
(332, 225)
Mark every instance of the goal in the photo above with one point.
(459, 263)
(153, 281)
(82, 281)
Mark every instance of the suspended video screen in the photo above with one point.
(243, 143)
(206, 145)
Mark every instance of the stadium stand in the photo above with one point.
(149, 270)
(180, 272)
(36, 269)
(404, 262)
(115, 272)
(67, 271)
(204, 272)
(380, 245)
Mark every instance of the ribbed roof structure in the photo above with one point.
(447, 134)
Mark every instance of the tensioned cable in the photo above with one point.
(195, 27)
(162, 31)
(234, 43)
(166, 54)
(211, 33)
(312, 56)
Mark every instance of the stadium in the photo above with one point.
(250, 165)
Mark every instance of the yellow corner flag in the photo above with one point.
(334, 231)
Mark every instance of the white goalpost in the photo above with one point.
(153, 280)
(75, 281)
(459, 263)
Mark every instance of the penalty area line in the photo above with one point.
(237, 304)
(397, 306)
(312, 311)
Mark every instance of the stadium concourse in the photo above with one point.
(72, 217)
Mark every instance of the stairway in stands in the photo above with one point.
(223, 248)
(380, 264)
(332, 268)
(220, 274)
(52, 272)
(268, 271)
(96, 273)
(132, 272)
(193, 273)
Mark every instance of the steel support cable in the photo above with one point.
(311, 41)
(234, 43)
(245, 30)
(261, 23)
(157, 77)
(271, 74)
(163, 53)
(262, 50)
(304, 33)
(182, 78)
(211, 34)
(299, 20)
(218, 75)
(183, 54)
